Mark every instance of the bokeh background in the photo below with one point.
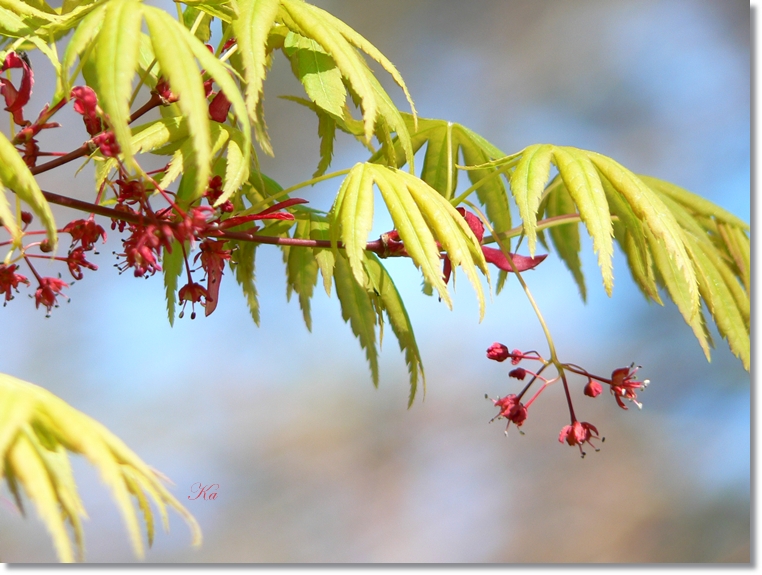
(313, 463)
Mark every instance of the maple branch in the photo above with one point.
(85, 148)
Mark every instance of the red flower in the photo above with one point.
(498, 352)
(143, 248)
(9, 279)
(47, 292)
(107, 144)
(623, 386)
(192, 292)
(511, 409)
(519, 373)
(213, 193)
(579, 433)
(86, 232)
(15, 100)
(593, 388)
(86, 103)
(193, 225)
(76, 260)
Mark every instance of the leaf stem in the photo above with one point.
(258, 206)
(506, 251)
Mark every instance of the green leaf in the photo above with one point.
(678, 289)
(585, 187)
(358, 310)
(391, 303)
(694, 203)
(527, 185)
(361, 43)
(170, 45)
(565, 237)
(302, 270)
(353, 213)
(317, 72)
(243, 267)
(159, 134)
(421, 216)
(225, 11)
(172, 267)
(15, 175)
(739, 247)
(327, 134)
(116, 59)
(654, 214)
(326, 260)
(255, 20)
(221, 76)
(339, 41)
(36, 430)
(721, 303)
(450, 229)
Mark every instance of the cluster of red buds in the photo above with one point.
(622, 384)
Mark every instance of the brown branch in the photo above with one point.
(376, 246)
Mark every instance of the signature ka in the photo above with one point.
(203, 491)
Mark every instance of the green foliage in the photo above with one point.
(37, 429)
(15, 174)
(675, 242)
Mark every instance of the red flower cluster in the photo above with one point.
(10, 280)
(622, 384)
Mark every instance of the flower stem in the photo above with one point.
(546, 331)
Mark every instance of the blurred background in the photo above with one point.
(313, 463)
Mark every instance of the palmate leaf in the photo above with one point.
(421, 216)
(382, 287)
(342, 44)
(36, 431)
(583, 174)
(445, 142)
(656, 225)
(358, 310)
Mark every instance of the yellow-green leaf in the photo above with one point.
(357, 309)
(33, 445)
(251, 29)
(584, 185)
(116, 59)
(527, 185)
(391, 302)
(176, 62)
(15, 175)
(654, 214)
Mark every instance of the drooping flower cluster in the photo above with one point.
(622, 384)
